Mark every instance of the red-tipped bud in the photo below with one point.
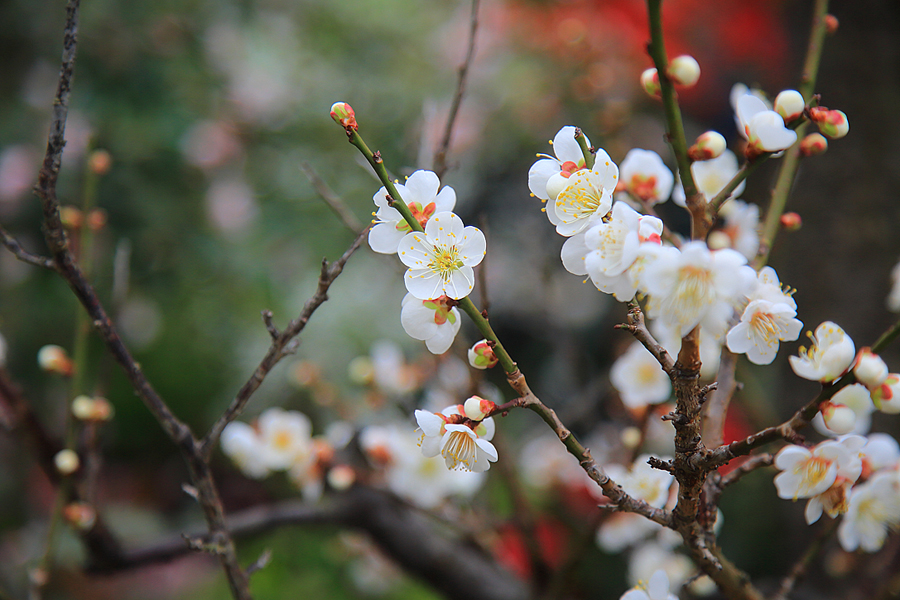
(831, 24)
(650, 83)
(814, 143)
(477, 408)
(481, 355)
(97, 409)
(683, 70)
(870, 369)
(100, 162)
(838, 418)
(791, 221)
(832, 123)
(343, 115)
(790, 105)
(54, 359)
(709, 145)
(886, 397)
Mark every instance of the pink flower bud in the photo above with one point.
(343, 115)
(870, 369)
(887, 396)
(790, 105)
(477, 408)
(54, 359)
(814, 143)
(838, 418)
(709, 145)
(683, 70)
(831, 24)
(650, 83)
(831, 123)
(791, 221)
(481, 355)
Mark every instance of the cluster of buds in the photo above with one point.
(343, 115)
(74, 218)
(813, 144)
(481, 355)
(93, 410)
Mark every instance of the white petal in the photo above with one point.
(429, 422)
(424, 284)
(418, 320)
(422, 187)
(472, 246)
(573, 254)
(384, 238)
(539, 174)
(566, 147)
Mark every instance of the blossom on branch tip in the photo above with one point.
(481, 355)
(421, 195)
(440, 260)
(434, 321)
(650, 82)
(764, 128)
(343, 115)
(789, 105)
(569, 159)
(762, 327)
(829, 356)
(582, 198)
(463, 444)
(644, 176)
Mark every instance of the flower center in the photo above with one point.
(441, 307)
(764, 325)
(461, 448)
(694, 285)
(282, 440)
(816, 469)
(445, 261)
(580, 199)
(644, 187)
(419, 213)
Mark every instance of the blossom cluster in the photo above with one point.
(461, 434)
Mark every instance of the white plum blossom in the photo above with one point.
(644, 176)
(769, 288)
(641, 481)
(763, 326)
(858, 400)
(833, 501)
(639, 379)
(569, 159)
(887, 396)
(870, 369)
(693, 285)
(789, 104)
(608, 250)
(880, 452)
(655, 589)
(582, 198)
(763, 128)
(809, 472)
(711, 177)
(435, 321)
(741, 222)
(421, 195)
(463, 445)
(242, 445)
(873, 509)
(286, 438)
(440, 260)
(830, 355)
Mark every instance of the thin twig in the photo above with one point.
(440, 157)
(334, 202)
(280, 347)
(13, 245)
(638, 328)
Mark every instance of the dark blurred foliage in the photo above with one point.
(208, 108)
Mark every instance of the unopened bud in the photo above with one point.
(886, 397)
(80, 515)
(97, 409)
(66, 461)
(839, 418)
(341, 477)
(100, 162)
(683, 70)
(71, 217)
(791, 221)
(481, 355)
(650, 83)
(343, 115)
(831, 123)
(790, 105)
(813, 144)
(709, 145)
(54, 359)
(870, 369)
(477, 408)
(96, 219)
(831, 24)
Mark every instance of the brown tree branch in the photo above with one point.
(13, 245)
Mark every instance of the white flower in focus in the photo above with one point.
(769, 288)
(830, 355)
(689, 285)
(434, 321)
(711, 177)
(741, 226)
(806, 473)
(463, 445)
(607, 251)
(870, 369)
(644, 175)
(569, 159)
(873, 509)
(421, 195)
(639, 379)
(857, 400)
(764, 128)
(641, 481)
(763, 326)
(440, 260)
(242, 445)
(656, 589)
(789, 104)
(285, 438)
(582, 198)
